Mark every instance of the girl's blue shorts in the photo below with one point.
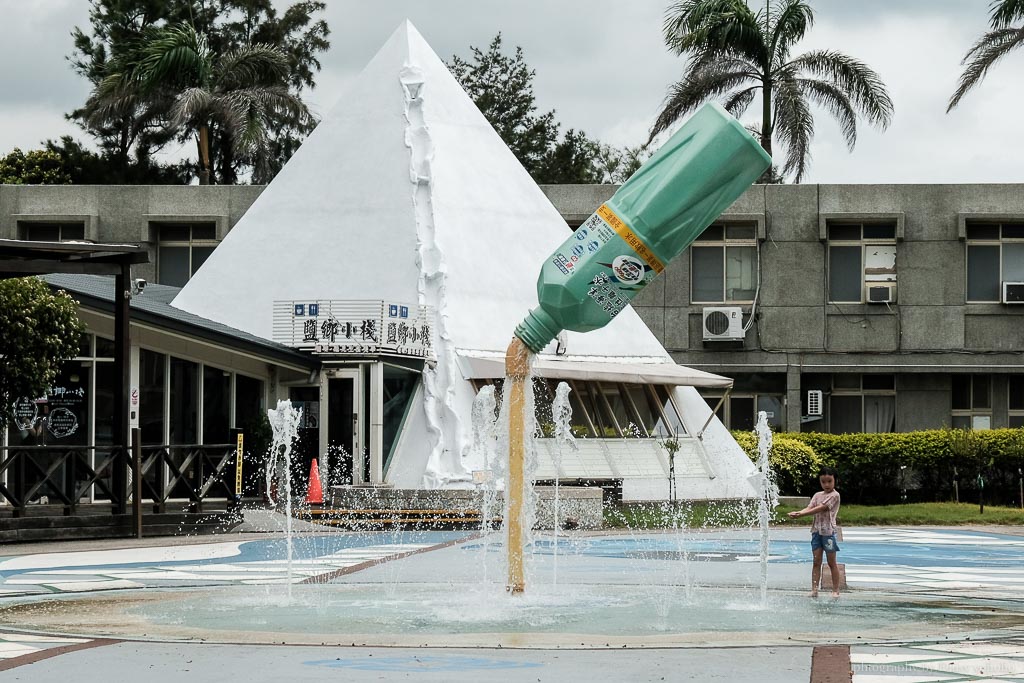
(826, 543)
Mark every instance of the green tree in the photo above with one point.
(128, 140)
(736, 54)
(502, 88)
(41, 330)
(243, 91)
(992, 46)
(86, 167)
(37, 167)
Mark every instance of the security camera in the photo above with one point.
(138, 284)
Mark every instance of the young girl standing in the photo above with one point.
(824, 506)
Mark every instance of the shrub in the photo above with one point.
(795, 463)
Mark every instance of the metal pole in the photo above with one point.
(137, 480)
(122, 375)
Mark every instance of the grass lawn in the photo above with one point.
(696, 515)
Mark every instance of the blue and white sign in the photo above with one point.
(354, 327)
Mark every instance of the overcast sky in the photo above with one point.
(602, 66)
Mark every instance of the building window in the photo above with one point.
(53, 232)
(723, 264)
(739, 411)
(1015, 403)
(182, 248)
(972, 402)
(995, 254)
(862, 403)
(861, 262)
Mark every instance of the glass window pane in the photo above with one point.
(184, 404)
(772, 405)
(623, 417)
(879, 382)
(646, 410)
(961, 392)
(961, 422)
(199, 256)
(844, 414)
(1013, 262)
(104, 348)
(1013, 231)
(42, 232)
(174, 233)
(981, 392)
(844, 232)
(1016, 421)
(845, 274)
(741, 413)
(595, 407)
(983, 231)
(72, 231)
(879, 414)
(204, 231)
(880, 231)
(740, 273)
(151, 396)
(850, 381)
(580, 420)
(85, 346)
(739, 231)
(1016, 383)
(981, 422)
(106, 384)
(983, 273)
(706, 274)
(399, 385)
(674, 426)
(173, 266)
(713, 233)
(216, 405)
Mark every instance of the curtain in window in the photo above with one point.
(879, 414)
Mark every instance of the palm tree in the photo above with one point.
(173, 70)
(735, 54)
(991, 46)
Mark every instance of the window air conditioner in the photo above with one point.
(1013, 292)
(723, 324)
(882, 294)
(814, 402)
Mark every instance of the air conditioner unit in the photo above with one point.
(881, 294)
(1013, 292)
(723, 324)
(814, 402)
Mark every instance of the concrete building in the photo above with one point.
(895, 302)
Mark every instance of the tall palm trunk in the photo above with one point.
(203, 141)
(766, 115)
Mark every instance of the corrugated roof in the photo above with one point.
(153, 305)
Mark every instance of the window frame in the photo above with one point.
(723, 245)
(973, 412)
(1012, 412)
(26, 228)
(987, 242)
(864, 243)
(191, 243)
(863, 393)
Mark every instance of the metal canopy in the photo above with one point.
(19, 258)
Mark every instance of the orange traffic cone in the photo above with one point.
(315, 494)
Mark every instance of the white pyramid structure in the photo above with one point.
(404, 192)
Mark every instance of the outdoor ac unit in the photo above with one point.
(814, 402)
(881, 294)
(1013, 292)
(724, 323)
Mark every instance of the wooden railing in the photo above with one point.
(74, 476)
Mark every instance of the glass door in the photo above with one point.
(344, 445)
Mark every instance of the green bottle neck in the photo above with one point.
(537, 330)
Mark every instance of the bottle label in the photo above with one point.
(606, 254)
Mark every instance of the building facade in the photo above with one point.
(834, 307)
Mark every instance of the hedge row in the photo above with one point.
(913, 466)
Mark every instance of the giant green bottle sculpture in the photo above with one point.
(652, 218)
(590, 278)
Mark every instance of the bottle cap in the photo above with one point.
(537, 330)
